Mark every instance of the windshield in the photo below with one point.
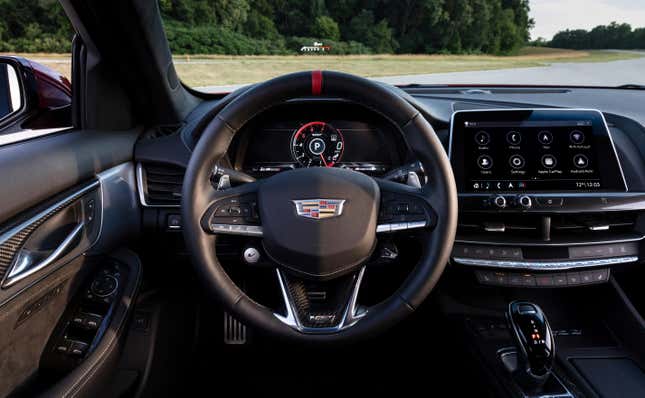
(219, 45)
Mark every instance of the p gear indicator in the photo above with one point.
(317, 144)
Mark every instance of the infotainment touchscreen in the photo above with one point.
(533, 151)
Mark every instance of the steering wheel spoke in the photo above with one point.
(404, 208)
(233, 212)
(321, 307)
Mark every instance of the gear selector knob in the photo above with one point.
(534, 338)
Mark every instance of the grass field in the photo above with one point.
(205, 70)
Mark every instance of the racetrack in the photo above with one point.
(614, 73)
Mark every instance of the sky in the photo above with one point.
(552, 16)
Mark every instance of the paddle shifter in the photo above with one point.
(535, 345)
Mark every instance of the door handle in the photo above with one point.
(29, 262)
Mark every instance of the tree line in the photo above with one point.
(349, 26)
(243, 27)
(615, 36)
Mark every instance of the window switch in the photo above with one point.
(63, 348)
(77, 348)
(92, 322)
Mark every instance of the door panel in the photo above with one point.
(57, 190)
(33, 171)
(22, 338)
(58, 231)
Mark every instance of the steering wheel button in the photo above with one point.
(417, 208)
(220, 228)
(416, 224)
(254, 230)
(383, 228)
(399, 226)
(245, 210)
(403, 208)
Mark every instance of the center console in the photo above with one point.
(542, 197)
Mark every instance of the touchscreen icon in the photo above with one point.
(516, 161)
(581, 161)
(545, 137)
(482, 138)
(513, 138)
(485, 162)
(577, 137)
(549, 161)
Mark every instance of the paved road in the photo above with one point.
(567, 73)
(613, 73)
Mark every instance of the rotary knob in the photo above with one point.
(525, 201)
(499, 201)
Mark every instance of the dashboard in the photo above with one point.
(318, 134)
(548, 192)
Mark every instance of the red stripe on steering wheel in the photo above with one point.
(316, 82)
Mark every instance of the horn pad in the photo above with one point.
(319, 243)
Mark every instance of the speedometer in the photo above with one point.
(317, 144)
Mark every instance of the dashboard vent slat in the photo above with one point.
(529, 227)
(162, 184)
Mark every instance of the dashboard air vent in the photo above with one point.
(160, 184)
(528, 227)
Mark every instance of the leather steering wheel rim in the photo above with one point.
(421, 139)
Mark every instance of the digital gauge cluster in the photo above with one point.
(317, 144)
(318, 134)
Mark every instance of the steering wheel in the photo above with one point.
(319, 225)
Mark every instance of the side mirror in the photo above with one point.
(11, 99)
(32, 96)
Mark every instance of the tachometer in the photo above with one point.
(317, 144)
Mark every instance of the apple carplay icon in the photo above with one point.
(549, 161)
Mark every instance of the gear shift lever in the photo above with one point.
(535, 345)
